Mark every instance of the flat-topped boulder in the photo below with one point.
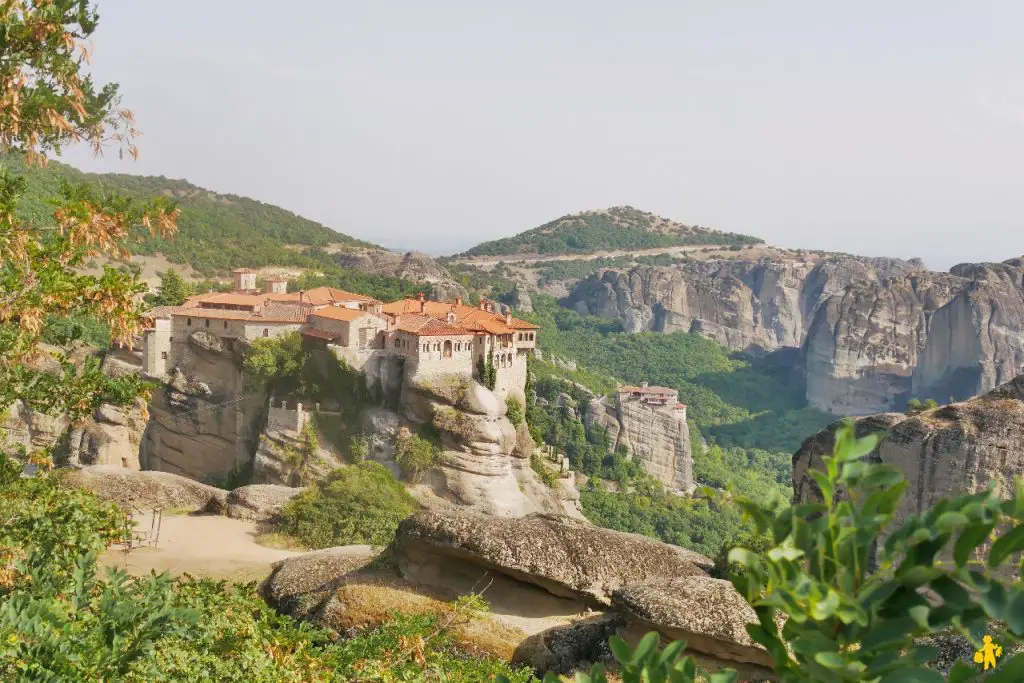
(565, 556)
(259, 502)
(298, 585)
(135, 490)
(709, 614)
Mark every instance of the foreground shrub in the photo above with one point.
(361, 503)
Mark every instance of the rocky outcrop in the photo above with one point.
(566, 557)
(299, 585)
(281, 460)
(410, 266)
(960, 448)
(707, 613)
(483, 463)
(874, 332)
(205, 422)
(744, 305)
(658, 437)
(259, 502)
(135, 490)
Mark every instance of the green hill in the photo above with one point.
(620, 227)
(217, 232)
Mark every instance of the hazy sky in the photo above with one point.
(877, 127)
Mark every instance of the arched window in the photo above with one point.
(447, 351)
(266, 332)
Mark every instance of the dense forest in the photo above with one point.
(620, 227)
(216, 232)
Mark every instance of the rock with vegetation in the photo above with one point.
(477, 465)
(259, 502)
(135, 490)
(942, 452)
(707, 613)
(564, 556)
(412, 266)
(299, 585)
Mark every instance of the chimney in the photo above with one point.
(483, 304)
(643, 385)
(422, 296)
(508, 318)
(302, 295)
(458, 301)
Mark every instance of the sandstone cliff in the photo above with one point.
(959, 448)
(874, 332)
(657, 437)
(205, 422)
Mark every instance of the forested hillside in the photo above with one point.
(620, 227)
(750, 411)
(216, 232)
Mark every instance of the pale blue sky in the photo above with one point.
(883, 128)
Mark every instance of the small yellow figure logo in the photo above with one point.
(988, 654)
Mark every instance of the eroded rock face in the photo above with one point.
(656, 436)
(135, 490)
(259, 502)
(959, 448)
(276, 460)
(485, 464)
(566, 557)
(707, 613)
(206, 420)
(874, 332)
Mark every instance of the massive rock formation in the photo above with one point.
(959, 448)
(143, 491)
(205, 422)
(566, 557)
(658, 437)
(874, 332)
(485, 463)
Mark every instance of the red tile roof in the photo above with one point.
(425, 326)
(470, 317)
(319, 334)
(272, 313)
(322, 296)
(340, 313)
(654, 391)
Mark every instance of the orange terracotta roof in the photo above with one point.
(426, 326)
(322, 296)
(160, 312)
(340, 313)
(243, 270)
(470, 317)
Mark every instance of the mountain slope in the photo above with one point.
(217, 232)
(620, 227)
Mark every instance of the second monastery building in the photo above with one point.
(432, 337)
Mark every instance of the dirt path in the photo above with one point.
(204, 546)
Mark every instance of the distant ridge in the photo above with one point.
(616, 228)
(217, 232)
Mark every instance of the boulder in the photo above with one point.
(259, 502)
(135, 490)
(480, 400)
(567, 557)
(707, 613)
(297, 585)
(570, 647)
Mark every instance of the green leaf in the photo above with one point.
(1015, 611)
(645, 647)
(830, 660)
(1010, 671)
(961, 673)
(621, 649)
(951, 521)
(970, 538)
(1007, 544)
(917, 675)
(671, 653)
(723, 676)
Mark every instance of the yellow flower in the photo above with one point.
(12, 639)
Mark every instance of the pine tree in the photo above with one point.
(173, 289)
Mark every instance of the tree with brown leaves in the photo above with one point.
(48, 101)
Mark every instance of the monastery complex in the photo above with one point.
(425, 337)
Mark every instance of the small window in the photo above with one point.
(266, 332)
(225, 324)
(207, 323)
(189, 322)
(163, 355)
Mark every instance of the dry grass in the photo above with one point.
(280, 541)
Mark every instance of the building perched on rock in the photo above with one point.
(650, 424)
(421, 338)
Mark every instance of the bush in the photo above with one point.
(543, 471)
(361, 503)
(514, 410)
(415, 454)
